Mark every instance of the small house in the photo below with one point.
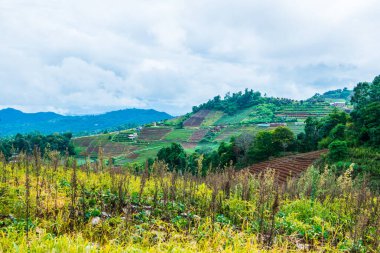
(338, 104)
(277, 124)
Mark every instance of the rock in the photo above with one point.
(196, 217)
(95, 221)
(105, 215)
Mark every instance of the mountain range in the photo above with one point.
(13, 121)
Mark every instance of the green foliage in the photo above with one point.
(333, 94)
(239, 101)
(27, 143)
(366, 113)
(174, 156)
(282, 138)
(338, 150)
(263, 146)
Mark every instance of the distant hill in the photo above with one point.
(334, 95)
(13, 121)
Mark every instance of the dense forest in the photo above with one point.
(333, 94)
(28, 143)
(231, 103)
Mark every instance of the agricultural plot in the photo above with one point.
(174, 121)
(289, 166)
(198, 135)
(211, 118)
(179, 135)
(122, 137)
(296, 129)
(196, 119)
(83, 141)
(115, 149)
(302, 111)
(153, 133)
(143, 152)
(234, 119)
(228, 132)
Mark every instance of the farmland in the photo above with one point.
(205, 130)
(289, 166)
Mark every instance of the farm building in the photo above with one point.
(299, 123)
(277, 124)
(132, 136)
(263, 125)
(338, 104)
(216, 129)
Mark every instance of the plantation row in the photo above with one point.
(289, 166)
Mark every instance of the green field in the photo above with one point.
(179, 135)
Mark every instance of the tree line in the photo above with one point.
(232, 103)
(27, 143)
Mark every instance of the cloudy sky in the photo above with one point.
(90, 56)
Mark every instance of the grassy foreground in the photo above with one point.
(48, 207)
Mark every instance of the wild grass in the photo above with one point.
(52, 206)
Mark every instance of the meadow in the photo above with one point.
(50, 204)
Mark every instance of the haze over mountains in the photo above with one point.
(14, 121)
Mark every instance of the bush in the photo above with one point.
(338, 150)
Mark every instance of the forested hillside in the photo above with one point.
(13, 121)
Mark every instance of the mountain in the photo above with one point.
(14, 121)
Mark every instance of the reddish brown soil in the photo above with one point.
(132, 156)
(189, 145)
(110, 149)
(197, 119)
(83, 141)
(289, 166)
(198, 135)
(153, 133)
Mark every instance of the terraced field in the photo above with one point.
(302, 111)
(211, 118)
(198, 135)
(179, 135)
(153, 133)
(196, 119)
(234, 119)
(289, 166)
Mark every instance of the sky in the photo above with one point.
(89, 56)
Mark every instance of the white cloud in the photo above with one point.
(93, 56)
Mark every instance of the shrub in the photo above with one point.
(338, 150)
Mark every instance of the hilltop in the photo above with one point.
(14, 121)
(207, 126)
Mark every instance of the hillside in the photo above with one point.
(203, 129)
(13, 121)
